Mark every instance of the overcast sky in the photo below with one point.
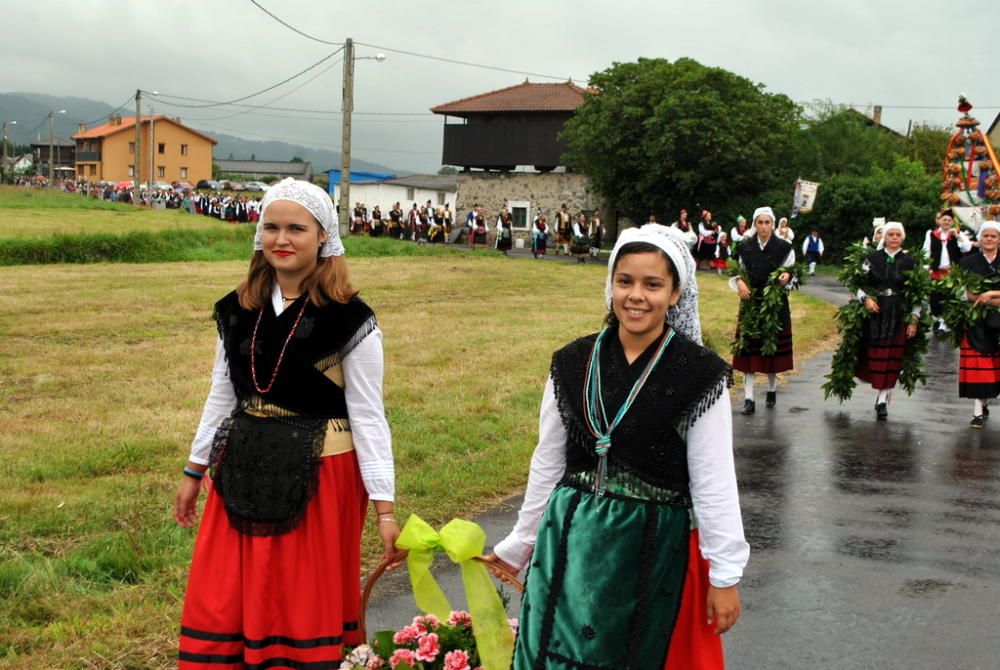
(896, 53)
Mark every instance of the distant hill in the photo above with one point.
(31, 111)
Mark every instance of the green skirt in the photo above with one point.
(604, 585)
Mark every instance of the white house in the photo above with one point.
(416, 188)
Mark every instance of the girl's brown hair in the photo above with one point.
(330, 280)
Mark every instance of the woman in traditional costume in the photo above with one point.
(944, 246)
(478, 235)
(580, 246)
(635, 443)
(888, 325)
(505, 231)
(539, 236)
(294, 430)
(784, 230)
(979, 360)
(760, 256)
(596, 233)
(738, 233)
(707, 240)
(722, 249)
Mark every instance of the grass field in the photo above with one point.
(103, 371)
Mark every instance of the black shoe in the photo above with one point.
(881, 411)
(749, 407)
(986, 412)
(772, 398)
(977, 421)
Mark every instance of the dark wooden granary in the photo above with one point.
(514, 126)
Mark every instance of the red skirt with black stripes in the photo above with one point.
(753, 360)
(289, 601)
(881, 361)
(978, 374)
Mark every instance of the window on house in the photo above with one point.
(519, 210)
(93, 170)
(161, 171)
(131, 170)
(184, 150)
(440, 198)
(131, 147)
(184, 173)
(161, 148)
(409, 194)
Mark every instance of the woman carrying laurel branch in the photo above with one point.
(635, 444)
(888, 325)
(759, 257)
(979, 367)
(294, 430)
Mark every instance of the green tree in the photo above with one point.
(847, 203)
(839, 140)
(448, 169)
(659, 136)
(296, 159)
(928, 144)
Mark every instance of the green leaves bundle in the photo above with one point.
(959, 313)
(760, 318)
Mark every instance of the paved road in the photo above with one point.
(874, 545)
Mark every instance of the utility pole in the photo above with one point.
(52, 183)
(152, 153)
(345, 147)
(3, 166)
(138, 125)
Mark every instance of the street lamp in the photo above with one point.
(345, 147)
(3, 166)
(52, 183)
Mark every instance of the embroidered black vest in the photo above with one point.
(984, 337)
(324, 336)
(886, 280)
(649, 450)
(953, 253)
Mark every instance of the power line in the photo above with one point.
(284, 109)
(104, 117)
(267, 104)
(293, 28)
(316, 144)
(467, 63)
(265, 90)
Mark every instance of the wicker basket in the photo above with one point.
(498, 571)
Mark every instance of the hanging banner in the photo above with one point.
(805, 196)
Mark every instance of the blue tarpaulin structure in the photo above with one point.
(357, 177)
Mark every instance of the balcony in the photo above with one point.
(88, 156)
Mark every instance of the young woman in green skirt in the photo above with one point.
(634, 453)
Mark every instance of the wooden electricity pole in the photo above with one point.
(136, 160)
(345, 147)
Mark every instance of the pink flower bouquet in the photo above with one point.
(427, 643)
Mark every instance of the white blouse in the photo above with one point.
(713, 489)
(362, 390)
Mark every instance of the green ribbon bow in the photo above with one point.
(462, 541)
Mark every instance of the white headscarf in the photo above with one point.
(892, 225)
(989, 225)
(314, 199)
(682, 317)
(763, 210)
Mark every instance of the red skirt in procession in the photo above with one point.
(752, 360)
(282, 601)
(719, 263)
(881, 361)
(978, 374)
(694, 644)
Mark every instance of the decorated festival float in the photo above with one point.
(971, 184)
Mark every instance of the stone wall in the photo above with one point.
(547, 190)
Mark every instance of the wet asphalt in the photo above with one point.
(874, 544)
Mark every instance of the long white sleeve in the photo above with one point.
(219, 404)
(715, 494)
(548, 464)
(363, 369)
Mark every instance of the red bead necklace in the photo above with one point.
(281, 356)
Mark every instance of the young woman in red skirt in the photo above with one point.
(294, 430)
(761, 254)
(888, 328)
(979, 361)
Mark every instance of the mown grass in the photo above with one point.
(103, 372)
